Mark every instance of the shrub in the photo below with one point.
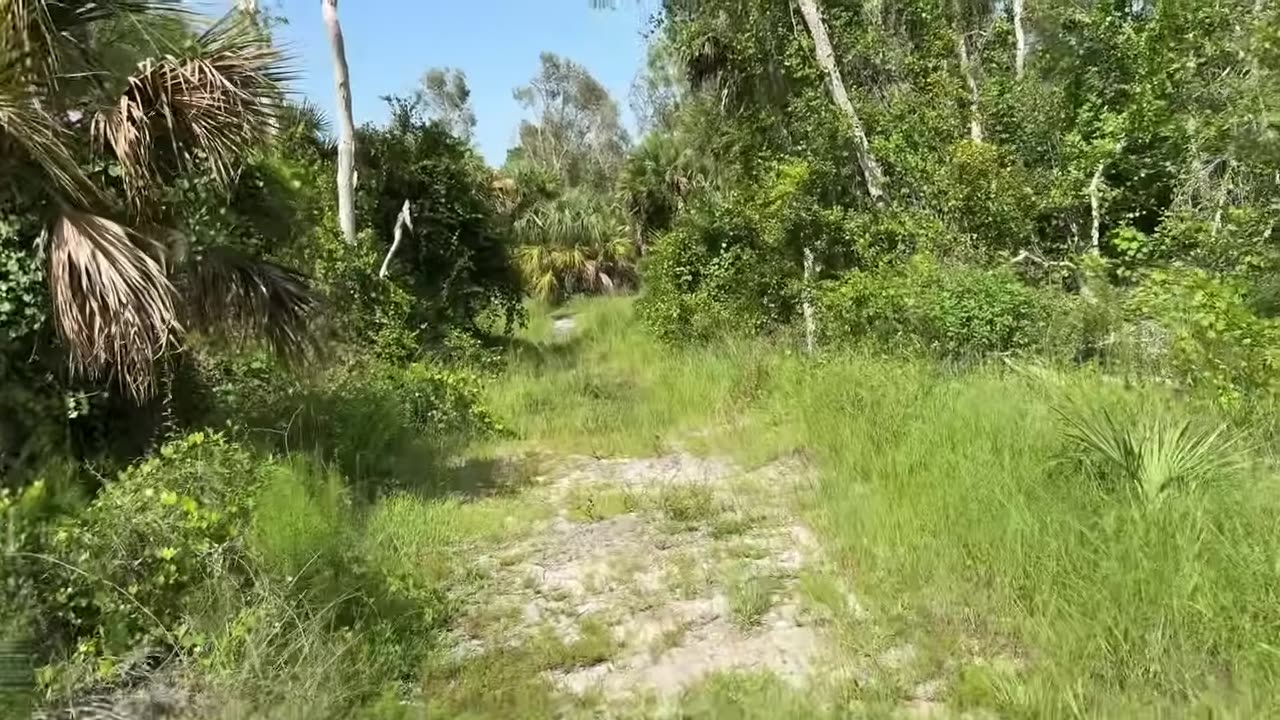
(373, 419)
(984, 193)
(1211, 336)
(1149, 458)
(712, 274)
(735, 262)
(301, 520)
(952, 311)
(386, 422)
(127, 571)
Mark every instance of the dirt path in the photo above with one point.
(653, 575)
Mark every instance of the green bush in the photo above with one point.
(987, 197)
(951, 311)
(735, 262)
(710, 275)
(128, 571)
(375, 420)
(385, 422)
(1211, 337)
(301, 521)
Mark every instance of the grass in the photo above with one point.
(750, 597)
(594, 504)
(688, 504)
(942, 498)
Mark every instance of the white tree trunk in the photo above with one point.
(1095, 205)
(404, 221)
(1095, 200)
(970, 78)
(1020, 36)
(806, 306)
(346, 125)
(827, 61)
(249, 6)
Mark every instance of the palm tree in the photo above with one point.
(574, 243)
(123, 288)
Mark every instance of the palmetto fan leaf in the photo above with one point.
(244, 297)
(112, 303)
(1152, 457)
(575, 242)
(218, 101)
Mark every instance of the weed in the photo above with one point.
(687, 577)
(593, 504)
(730, 525)
(752, 696)
(821, 594)
(594, 643)
(687, 504)
(750, 597)
(669, 638)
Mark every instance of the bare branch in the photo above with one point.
(403, 220)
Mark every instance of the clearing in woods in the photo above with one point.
(734, 530)
(684, 581)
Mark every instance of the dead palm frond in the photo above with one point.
(243, 297)
(24, 123)
(217, 103)
(46, 32)
(112, 304)
(1154, 457)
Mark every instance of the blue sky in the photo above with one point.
(390, 43)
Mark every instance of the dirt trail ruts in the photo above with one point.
(693, 564)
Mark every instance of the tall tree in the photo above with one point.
(346, 125)
(968, 72)
(444, 95)
(576, 128)
(1020, 38)
(826, 58)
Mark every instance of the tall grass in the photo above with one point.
(945, 504)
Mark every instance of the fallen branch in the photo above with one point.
(1026, 256)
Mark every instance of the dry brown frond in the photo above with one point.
(112, 304)
(216, 105)
(243, 298)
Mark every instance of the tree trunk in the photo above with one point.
(806, 304)
(404, 221)
(967, 70)
(1095, 201)
(827, 61)
(1095, 205)
(346, 125)
(1020, 36)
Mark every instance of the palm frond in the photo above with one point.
(45, 31)
(217, 103)
(112, 304)
(1153, 457)
(308, 121)
(242, 297)
(25, 123)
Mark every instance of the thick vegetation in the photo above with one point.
(1002, 276)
